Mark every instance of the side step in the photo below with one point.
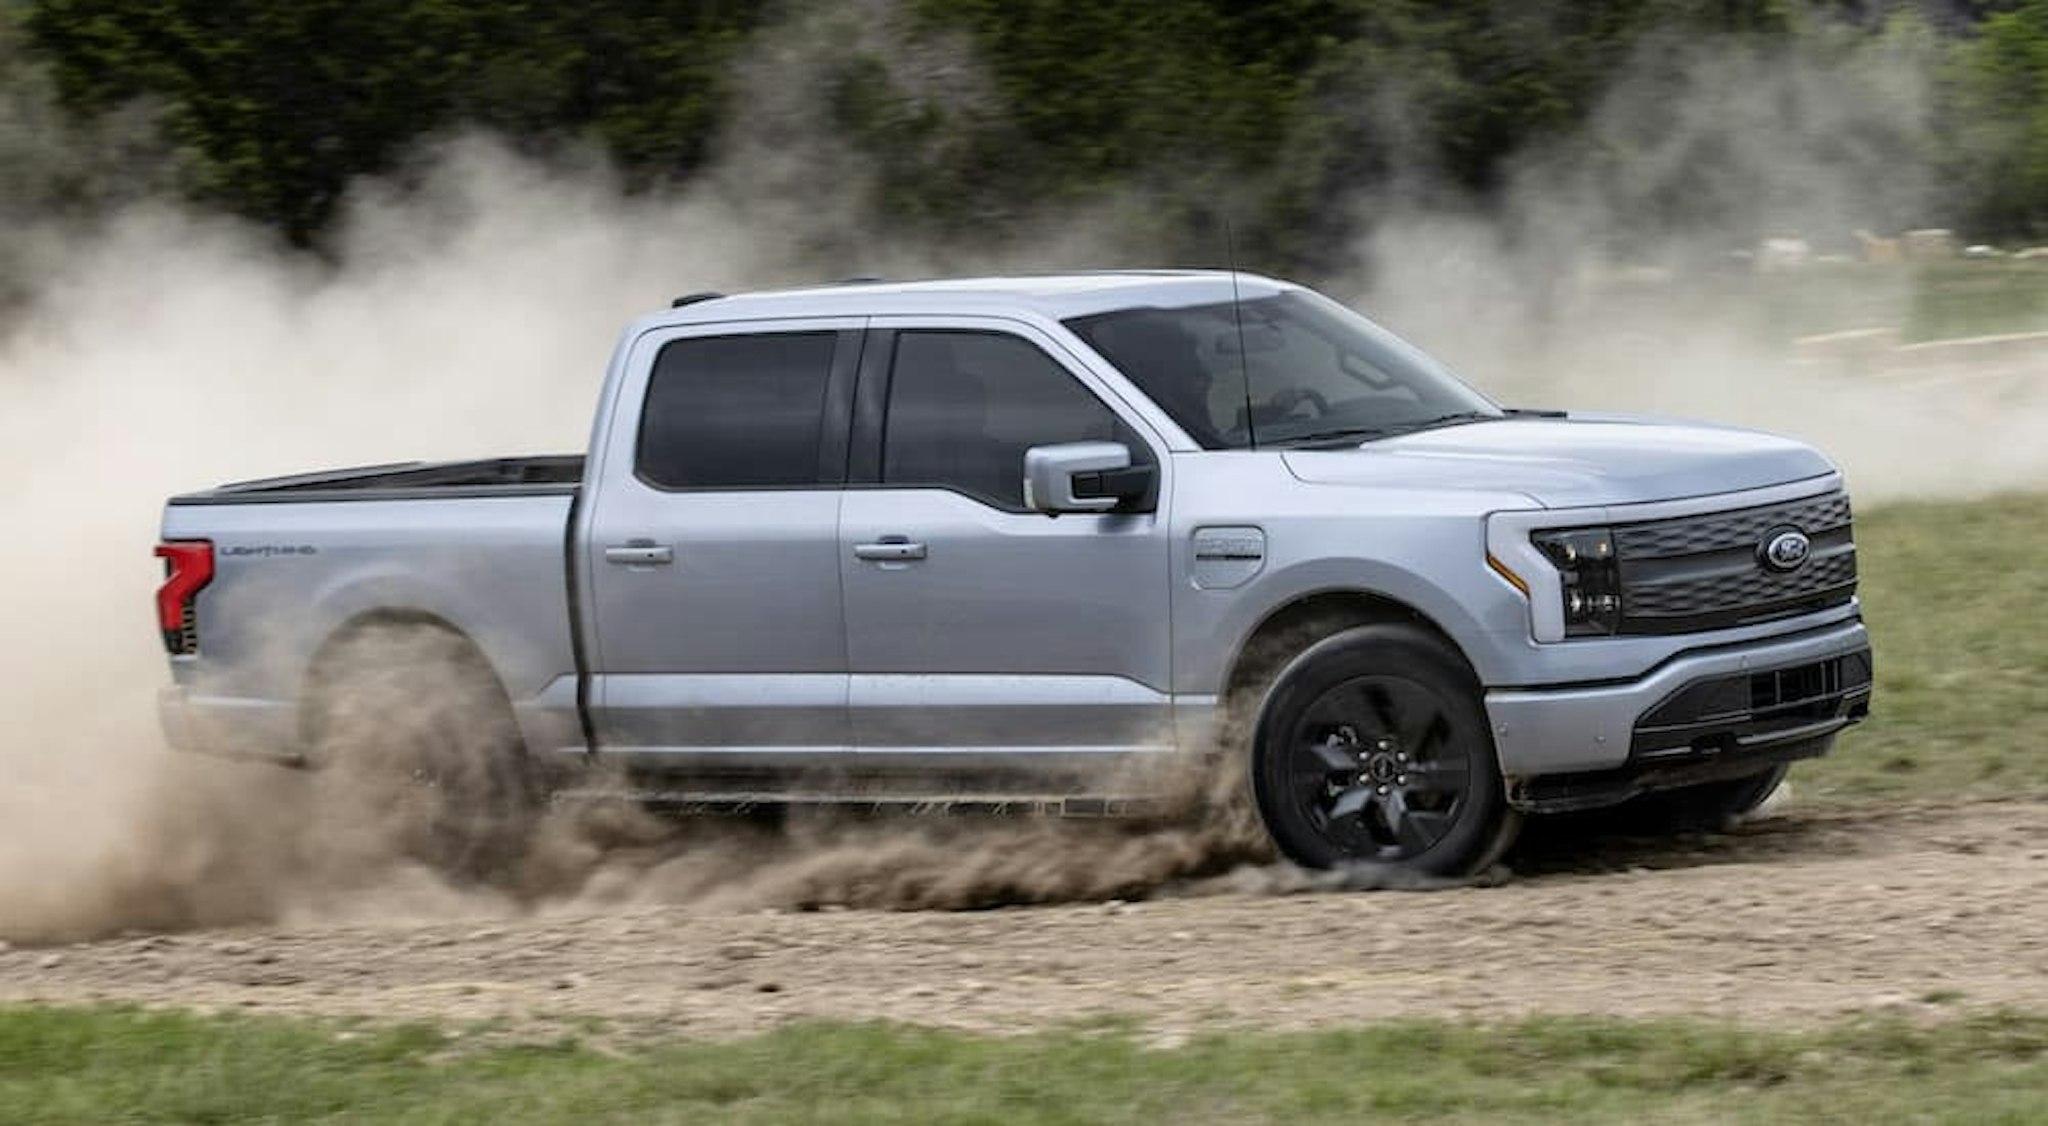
(750, 801)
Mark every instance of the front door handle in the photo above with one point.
(639, 553)
(890, 549)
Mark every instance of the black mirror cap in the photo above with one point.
(1133, 486)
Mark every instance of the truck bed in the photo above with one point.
(478, 545)
(546, 475)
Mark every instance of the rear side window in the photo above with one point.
(735, 412)
(964, 406)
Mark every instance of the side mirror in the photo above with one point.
(1082, 477)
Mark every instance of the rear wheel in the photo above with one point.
(1373, 746)
(415, 728)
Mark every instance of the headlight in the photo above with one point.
(1584, 558)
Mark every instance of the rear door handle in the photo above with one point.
(639, 553)
(890, 549)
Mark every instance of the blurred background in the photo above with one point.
(1642, 204)
(1302, 122)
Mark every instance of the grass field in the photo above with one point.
(1924, 301)
(1978, 299)
(1955, 595)
(95, 1066)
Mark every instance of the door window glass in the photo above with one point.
(964, 406)
(736, 411)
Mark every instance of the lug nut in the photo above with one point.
(1383, 789)
(1400, 780)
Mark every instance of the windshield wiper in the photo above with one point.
(1347, 435)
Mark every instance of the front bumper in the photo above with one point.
(228, 725)
(1711, 713)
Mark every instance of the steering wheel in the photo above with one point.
(1283, 402)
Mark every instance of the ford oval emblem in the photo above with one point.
(1784, 550)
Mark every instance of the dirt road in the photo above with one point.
(1810, 913)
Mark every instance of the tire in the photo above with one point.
(1706, 807)
(414, 728)
(1373, 746)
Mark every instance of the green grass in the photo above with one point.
(1924, 301)
(1954, 594)
(1927, 301)
(1977, 299)
(112, 1065)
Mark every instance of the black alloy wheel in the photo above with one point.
(1373, 747)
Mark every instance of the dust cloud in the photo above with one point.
(467, 309)
(1717, 273)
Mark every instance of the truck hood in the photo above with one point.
(1574, 462)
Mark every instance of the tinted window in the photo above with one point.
(964, 406)
(1277, 369)
(736, 411)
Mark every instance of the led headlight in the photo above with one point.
(1584, 558)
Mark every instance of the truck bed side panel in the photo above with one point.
(287, 576)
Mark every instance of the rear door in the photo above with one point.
(712, 553)
(981, 635)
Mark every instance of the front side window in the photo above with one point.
(735, 412)
(965, 405)
(1290, 368)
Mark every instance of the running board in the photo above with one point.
(744, 801)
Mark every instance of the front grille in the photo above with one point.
(1690, 535)
(1707, 572)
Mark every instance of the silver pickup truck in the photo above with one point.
(1013, 540)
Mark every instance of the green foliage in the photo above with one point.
(284, 103)
(1289, 117)
(1998, 117)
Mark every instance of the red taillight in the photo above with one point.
(188, 567)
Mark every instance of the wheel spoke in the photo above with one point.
(1331, 758)
(1332, 710)
(1350, 803)
(1384, 709)
(1417, 716)
(1415, 829)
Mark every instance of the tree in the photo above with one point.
(1998, 123)
(283, 103)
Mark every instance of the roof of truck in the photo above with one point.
(1054, 295)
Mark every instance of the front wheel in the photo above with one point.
(1373, 747)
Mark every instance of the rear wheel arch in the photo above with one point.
(406, 714)
(321, 670)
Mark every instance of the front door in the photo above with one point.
(712, 553)
(982, 636)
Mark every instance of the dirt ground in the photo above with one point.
(1921, 909)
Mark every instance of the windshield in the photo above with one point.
(1302, 369)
